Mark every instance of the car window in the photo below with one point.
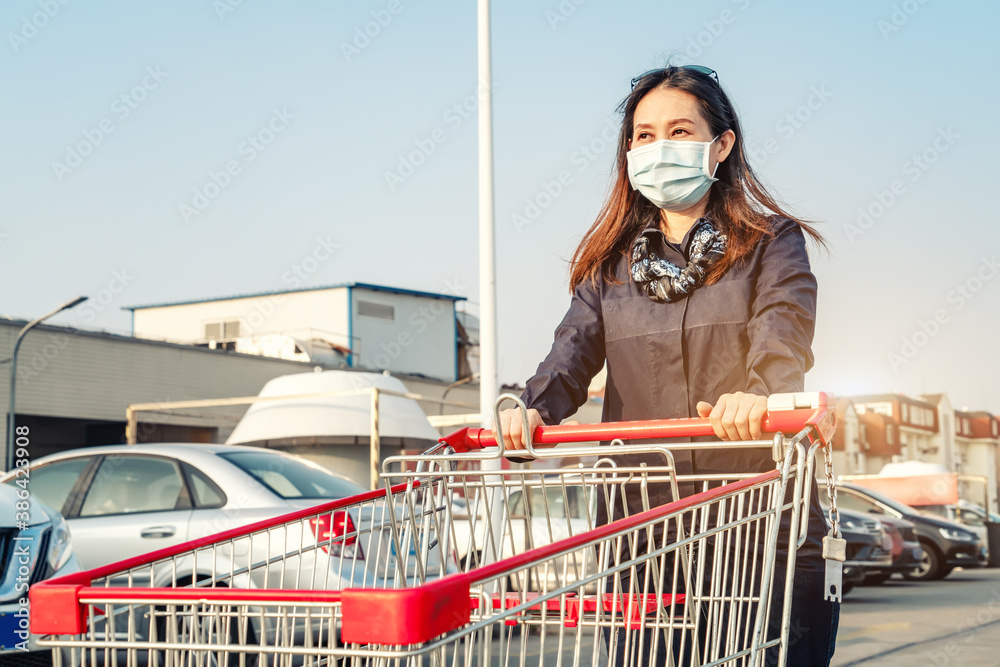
(557, 505)
(969, 517)
(291, 477)
(131, 484)
(51, 483)
(887, 501)
(551, 501)
(516, 501)
(850, 501)
(206, 493)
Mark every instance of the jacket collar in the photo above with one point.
(659, 240)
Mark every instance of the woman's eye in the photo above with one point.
(680, 129)
(642, 136)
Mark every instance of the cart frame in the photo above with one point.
(442, 613)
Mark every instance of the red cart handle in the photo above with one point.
(788, 413)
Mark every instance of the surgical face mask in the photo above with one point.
(671, 174)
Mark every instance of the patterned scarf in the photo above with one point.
(665, 282)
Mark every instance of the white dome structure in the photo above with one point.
(335, 430)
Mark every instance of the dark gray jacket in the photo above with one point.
(751, 331)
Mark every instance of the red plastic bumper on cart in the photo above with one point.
(787, 413)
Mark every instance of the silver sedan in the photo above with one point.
(122, 501)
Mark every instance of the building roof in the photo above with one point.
(127, 339)
(881, 398)
(251, 295)
(981, 424)
(843, 403)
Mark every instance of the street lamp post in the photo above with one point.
(9, 452)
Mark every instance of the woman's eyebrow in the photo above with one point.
(675, 121)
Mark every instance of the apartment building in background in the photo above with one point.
(876, 429)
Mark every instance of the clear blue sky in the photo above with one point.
(197, 81)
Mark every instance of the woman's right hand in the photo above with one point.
(513, 429)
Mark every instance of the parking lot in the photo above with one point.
(955, 621)
(951, 622)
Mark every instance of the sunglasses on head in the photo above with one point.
(701, 69)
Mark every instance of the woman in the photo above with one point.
(694, 286)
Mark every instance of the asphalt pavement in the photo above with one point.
(951, 622)
(955, 621)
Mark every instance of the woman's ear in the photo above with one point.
(726, 142)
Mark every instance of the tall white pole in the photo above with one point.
(489, 384)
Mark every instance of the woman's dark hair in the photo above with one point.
(738, 202)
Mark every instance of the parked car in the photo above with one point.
(534, 517)
(945, 545)
(904, 546)
(906, 550)
(122, 501)
(37, 549)
(970, 515)
(868, 547)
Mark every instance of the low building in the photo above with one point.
(355, 325)
(74, 385)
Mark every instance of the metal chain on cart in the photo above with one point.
(834, 545)
(831, 487)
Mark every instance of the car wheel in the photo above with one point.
(929, 567)
(876, 579)
(846, 588)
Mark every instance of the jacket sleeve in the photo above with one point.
(559, 386)
(783, 315)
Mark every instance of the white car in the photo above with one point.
(34, 545)
(548, 515)
(122, 501)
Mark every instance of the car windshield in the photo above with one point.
(885, 500)
(290, 477)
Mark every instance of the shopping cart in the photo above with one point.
(463, 565)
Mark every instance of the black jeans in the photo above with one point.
(812, 634)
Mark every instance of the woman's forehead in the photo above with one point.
(667, 105)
